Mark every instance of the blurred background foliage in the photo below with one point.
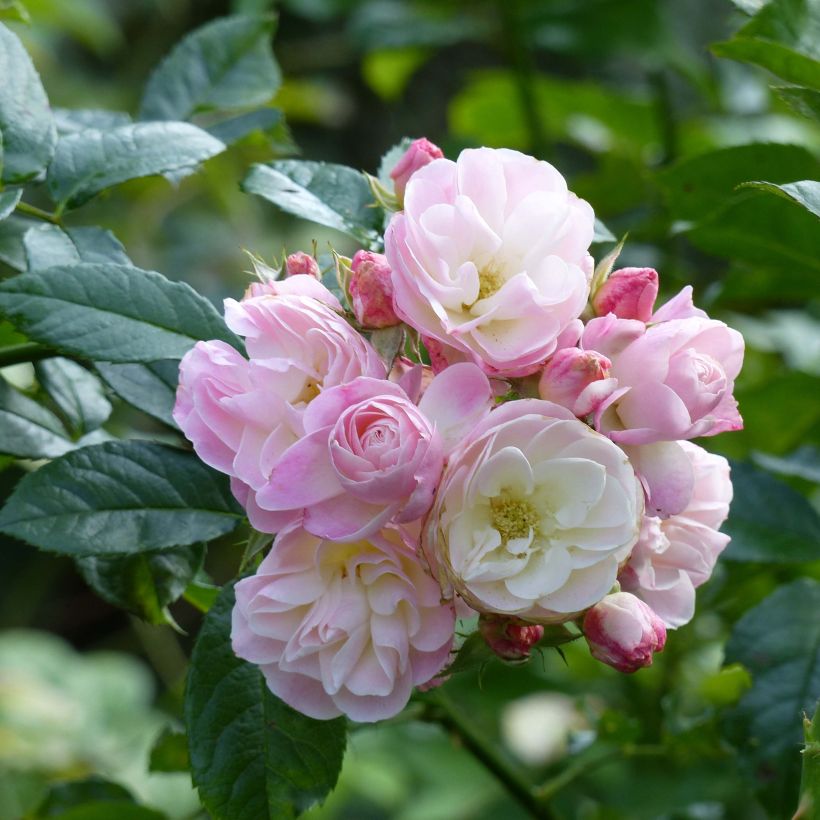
(656, 126)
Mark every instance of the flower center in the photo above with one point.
(308, 392)
(513, 517)
(489, 281)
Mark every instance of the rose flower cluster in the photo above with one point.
(538, 471)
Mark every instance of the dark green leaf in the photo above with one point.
(224, 65)
(27, 429)
(331, 195)
(472, 655)
(803, 463)
(12, 231)
(700, 185)
(787, 63)
(109, 809)
(779, 643)
(251, 755)
(769, 521)
(120, 498)
(805, 192)
(144, 583)
(90, 161)
(9, 200)
(805, 101)
(49, 245)
(149, 387)
(201, 595)
(170, 753)
(27, 133)
(74, 793)
(234, 129)
(110, 312)
(76, 392)
(72, 120)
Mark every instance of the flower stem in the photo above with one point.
(442, 710)
(24, 352)
(37, 213)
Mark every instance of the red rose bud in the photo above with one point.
(577, 379)
(509, 638)
(302, 263)
(623, 632)
(629, 293)
(420, 153)
(371, 290)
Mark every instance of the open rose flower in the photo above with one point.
(342, 628)
(533, 515)
(676, 555)
(369, 456)
(490, 257)
(242, 415)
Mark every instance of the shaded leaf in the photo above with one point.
(226, 64)
(12, 231)
(251, 755)
(27, 429)
(149, 387)
(76, 392)
(170, 753)
(90, 161)
(388, 342)
(805, 192)
(27, 133)
(110, 312)
(769, 521)
(9, 199)
(64, 796)
(236, 128)
(120, 498)
(48, 245)
(803, 463)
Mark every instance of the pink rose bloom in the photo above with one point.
(629, 293)
(675, 378)
(420, 153)
(241, 415)
(342, 628)
(534, 513)
(623, 632)
(676, 555)
(371, 290)
(296, 286)
(490, 257)
(369, 456)
(577, 379)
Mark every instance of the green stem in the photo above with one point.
(24, 352)
(443, 711)
(37, 213)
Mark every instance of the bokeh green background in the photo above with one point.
(627, 100)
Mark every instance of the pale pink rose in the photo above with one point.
(623, 632)
(490, 257)
(420, 153)
(679, 306)
(371, 290)
(241, 416)
(296, 286)
(342, 628)
(629, 293)
(414, 378)
(577, 379)
(675, 556)
(675, 379)
(302, 264)
(533, 515)
(509, 638)
(369, 456)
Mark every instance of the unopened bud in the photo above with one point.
(510, 638)
(577, 379)
(623, 632)
(629, 293)
(302, 263)
(371, 290)
(420, 153)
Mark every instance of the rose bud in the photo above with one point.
(510, 638)
(577, 379)
(420, 153)
(629, 293)
(302, 263)
(371, 290)
(623, 632)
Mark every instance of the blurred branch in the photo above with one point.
(37, 213)
(440, 709)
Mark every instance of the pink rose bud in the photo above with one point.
(302, 263)
(629, 293)
(510, 638)
(420, 153)
(623, 632)
(371, 290)
(577, 379)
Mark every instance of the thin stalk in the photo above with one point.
(37, 213)
(24, 352)
(444, 712)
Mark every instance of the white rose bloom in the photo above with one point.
(534, 514)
